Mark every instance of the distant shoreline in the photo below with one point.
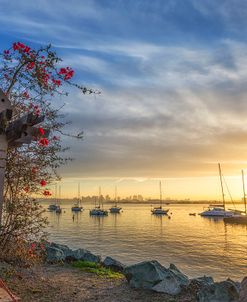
(146, 202)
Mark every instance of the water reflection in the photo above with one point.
(198, 245)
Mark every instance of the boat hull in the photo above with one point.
(76, 209)
(98, 212)
(159, 211)
(115, 210)
(217, 214)
(236, 220)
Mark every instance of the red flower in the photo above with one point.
(67, 72)
(41, 131)
(56, 82)
(47, 193)
(26, 95)
(44, 142)
(30, 65)
(42, 182)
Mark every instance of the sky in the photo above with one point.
(172, 76)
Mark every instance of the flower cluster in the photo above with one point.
(47, 193)
(67, 73)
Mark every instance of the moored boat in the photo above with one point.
(241, 218)
(159, 210)
(219, 210)
(115, 209)
(77, 206)
(98, 210)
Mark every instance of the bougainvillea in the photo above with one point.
(31, 79)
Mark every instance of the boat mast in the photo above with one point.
(100, 199)
(115, 196)
(222, 189)
(244, 192)
(160, 196)
(56, 194)
(79, 193)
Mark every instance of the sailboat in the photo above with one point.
(58, 209)
(77, 207)
(219, 210)
(241, 218)
(115, 208)
(159, 210)
(98, 210)
(54, 206)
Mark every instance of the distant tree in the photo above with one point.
(31, 79)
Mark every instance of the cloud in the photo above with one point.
(172, 74)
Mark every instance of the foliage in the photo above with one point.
(96, 268)
(32, 79)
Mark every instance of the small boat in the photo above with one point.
(115, 209)
(192, 214)
(52, 207)
(159, 210)
(77, 206)
(241, 218)
(218, 210)
(98, 210)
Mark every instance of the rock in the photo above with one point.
(225, 291)
(66, 250)
(85, 255)
(243, 291)
(54, 255)
(113, 264)
(152, 275)
(202, 281)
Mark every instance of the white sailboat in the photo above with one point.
(98, 210)
(77, 207)
(115, 208)
(241, 218)
(58, 209)
(54, 206)
(219, 210)
(159, 210)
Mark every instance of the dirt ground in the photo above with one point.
(62, 283)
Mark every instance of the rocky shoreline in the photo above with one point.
(151, 275)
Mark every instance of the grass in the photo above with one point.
(96, 268)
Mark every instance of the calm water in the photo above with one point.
(198, 246)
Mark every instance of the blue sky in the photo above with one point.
(173, 80)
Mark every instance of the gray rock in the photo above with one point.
(152, 275)
(243, 291)
(85, 255)
(202, 281)
(66, 250)
(113, 264)
(224, 291)
(54, 255)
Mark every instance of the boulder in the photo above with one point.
(85, 255)
(66, 250)
(54, 255)
(173, 282)
(225, 291)
(152, 275)
(202, 281)
(113, 264)
(243, 291)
